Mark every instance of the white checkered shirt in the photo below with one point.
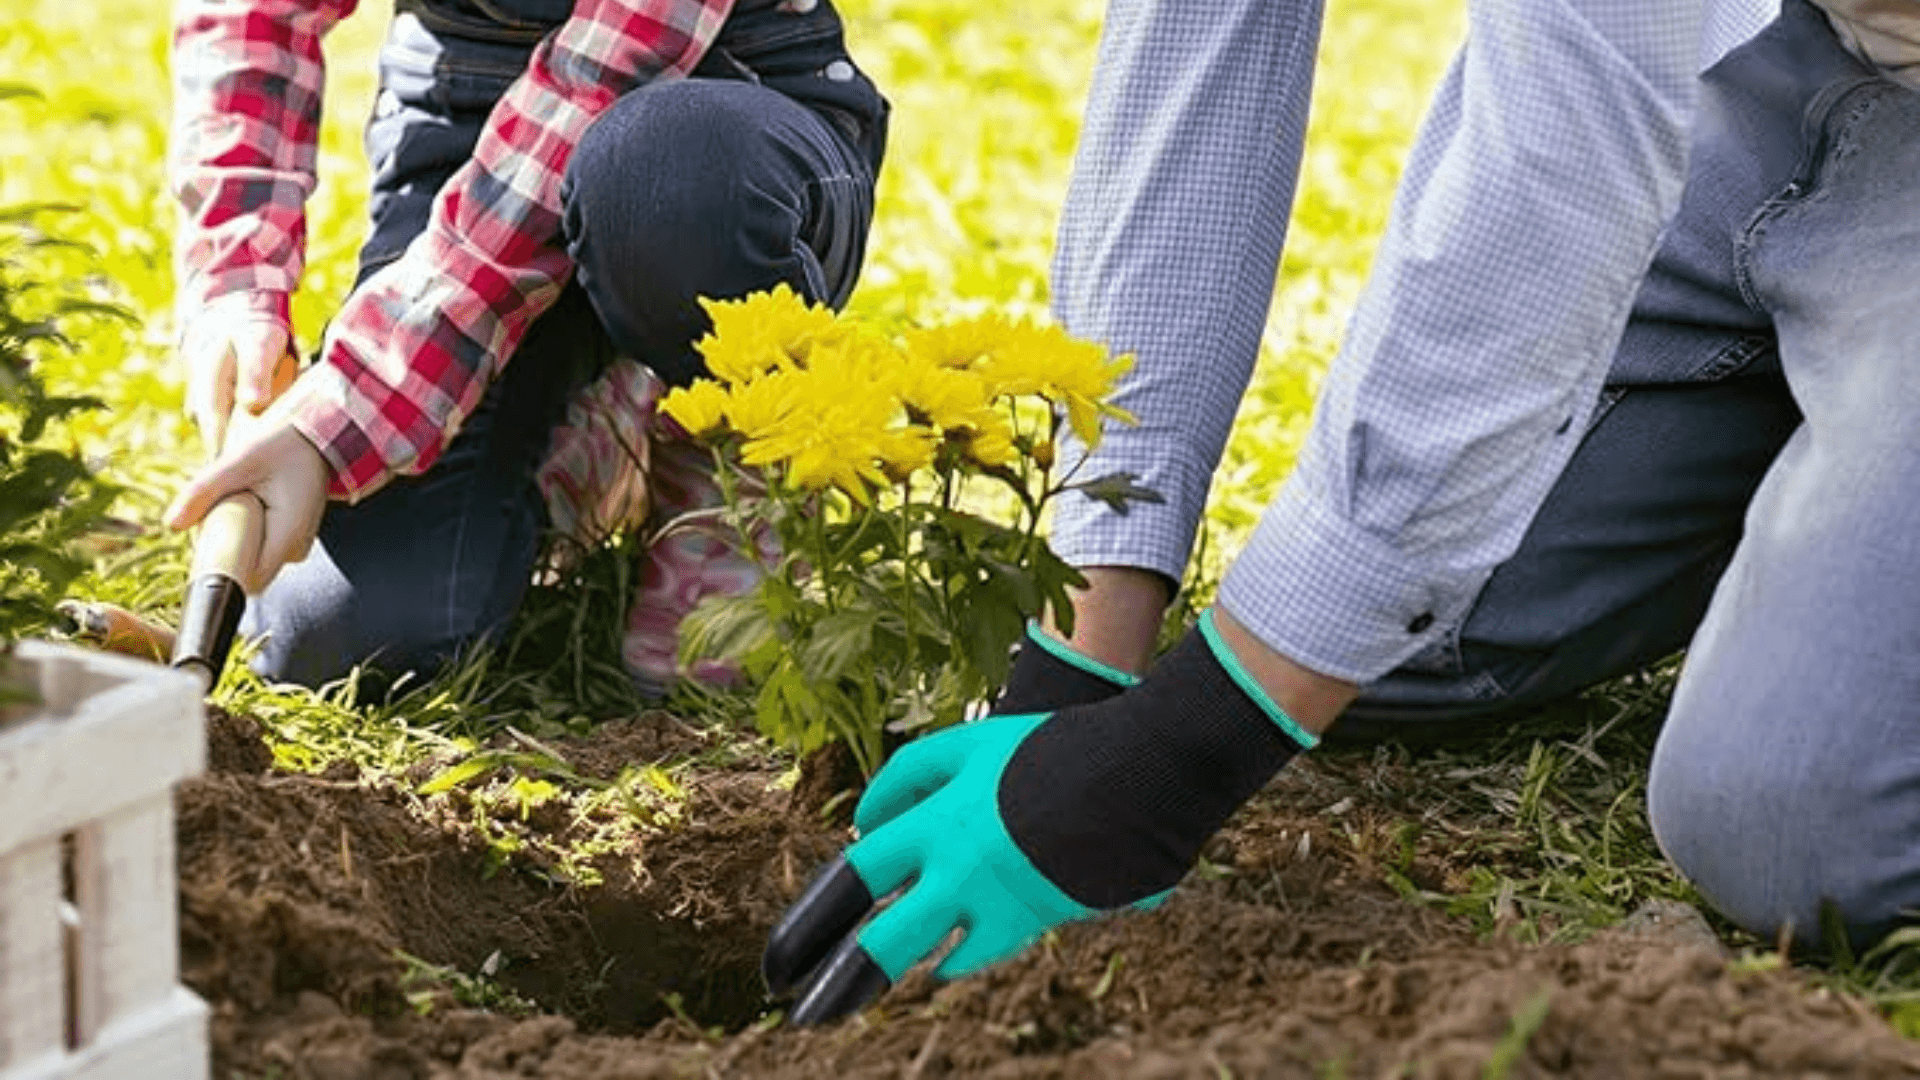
(1554, 152)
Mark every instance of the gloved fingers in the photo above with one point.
(914, 772)
(828, 909)
(917, 770)
(891, 855)
(984, 946)
(908, 930)
(848, 981)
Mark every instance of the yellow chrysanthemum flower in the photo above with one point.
(987, 439)
(764, 331)
(699, 408)
(957, 403)
(959, 344)
(1076, 375)
(760, 408)
(741, 355)
(943, 395)
(839, 426)
(907, 450)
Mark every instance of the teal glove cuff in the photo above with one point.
(1049, 674)
(1072, 657)
(1248, 686)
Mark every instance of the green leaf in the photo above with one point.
(80, 306)
(1054, 577)
(1117, 490)
(460, 773)
(20, 212)
(838, 643)
(726, 628)
(992, 623)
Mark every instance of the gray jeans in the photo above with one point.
(1751, 483)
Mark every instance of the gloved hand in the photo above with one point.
(1050, 674)
(1012, 825)
(238, 352)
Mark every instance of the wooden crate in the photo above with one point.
(89, 935)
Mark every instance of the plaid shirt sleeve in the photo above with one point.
(410, 353)
(247, 81)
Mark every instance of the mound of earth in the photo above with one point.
(303, 899)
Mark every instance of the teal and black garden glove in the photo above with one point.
(1049, 674)
(1009, 826)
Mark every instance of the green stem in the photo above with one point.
(906, 579)
(818, 510)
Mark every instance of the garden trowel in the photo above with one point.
(228, 542)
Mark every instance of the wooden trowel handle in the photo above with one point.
(223, 553)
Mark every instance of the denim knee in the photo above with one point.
(707, 187)
(1782, 834)
(313, 626)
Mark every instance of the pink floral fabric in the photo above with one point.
(594, 477)
(618, 464)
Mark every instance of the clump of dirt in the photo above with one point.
(234, 744)
(1288, 956)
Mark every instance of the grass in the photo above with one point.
(1540, 834)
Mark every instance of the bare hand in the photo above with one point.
(279, 466)
(236, 355)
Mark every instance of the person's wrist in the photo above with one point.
(194, 314)
(1116, 618)
(1313, 700)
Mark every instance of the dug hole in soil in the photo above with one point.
(299, 896)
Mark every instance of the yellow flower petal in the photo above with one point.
(699, 408)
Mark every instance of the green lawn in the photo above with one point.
(986, 112)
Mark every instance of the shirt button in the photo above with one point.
(839, 71)
(1420, 622)
(798, 7)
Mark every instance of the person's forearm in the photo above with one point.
(1475, 360)
(1169, 240)
(242, 146)
(1116, 618)
(414, 348)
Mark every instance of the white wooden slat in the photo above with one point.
(88, 671)
(166, 1041)
(129, 929)
(32, 964)
(125, 745)
(99, 761)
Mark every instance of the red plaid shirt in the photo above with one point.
(411, 351)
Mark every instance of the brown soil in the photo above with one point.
(1292, 959)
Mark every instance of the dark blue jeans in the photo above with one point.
(1749, 489)
(757, 171)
